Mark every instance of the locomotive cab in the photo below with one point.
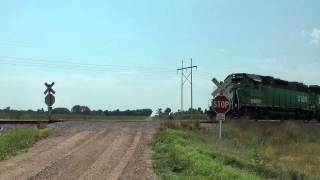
(264, 97)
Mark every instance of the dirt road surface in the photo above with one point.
(87, 150)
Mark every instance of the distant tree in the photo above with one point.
(106, 112)
(147, 112)
(167, 111)
(77, 109)
(99, 112)
(116, 112)
(85, 110)
(159, 111)
(191, 110)
(200, 110)
(61, 110)
(138, 112)
(40, 110)
(128, 112)
(7, 109)
(142, 112)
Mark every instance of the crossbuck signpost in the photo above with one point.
(49, 99)
(220, 105)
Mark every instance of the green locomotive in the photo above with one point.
(265, 97)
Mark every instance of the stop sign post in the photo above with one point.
(220, 105)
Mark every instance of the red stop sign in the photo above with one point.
(220, 104)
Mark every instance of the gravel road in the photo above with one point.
(87, 150)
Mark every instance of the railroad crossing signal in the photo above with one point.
(49, 99)
(49, 88)
(220, 105)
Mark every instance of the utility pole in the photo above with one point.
(184, 78)
(191, 87)
(181, 88)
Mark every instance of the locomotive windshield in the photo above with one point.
(236, 77)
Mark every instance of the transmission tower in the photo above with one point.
(187, 76)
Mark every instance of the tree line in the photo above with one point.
(84, 110)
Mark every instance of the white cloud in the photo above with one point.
(314, 36)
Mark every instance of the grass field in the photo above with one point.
(17, 139)
(249, 150)
(32, 116)
(185, 116)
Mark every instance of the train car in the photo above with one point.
(315, 97)
(265, 97)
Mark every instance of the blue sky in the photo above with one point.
(124, 54)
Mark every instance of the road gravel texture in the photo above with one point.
(87, 150)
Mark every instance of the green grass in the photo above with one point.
(191, 116)
(14, 140)
(249, 150)
(179, 156)
(293, 148)
(44, 117)
(185, 116)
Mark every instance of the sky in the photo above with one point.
(124, 54)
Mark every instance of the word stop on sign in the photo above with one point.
(220, 104)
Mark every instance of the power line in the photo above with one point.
(145, 74)
(70, 66)
(90, 65)
(185, 78)
(83, 66)
(56, 63)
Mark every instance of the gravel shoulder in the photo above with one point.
(87, 150)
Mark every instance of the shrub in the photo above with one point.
(20, 138)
